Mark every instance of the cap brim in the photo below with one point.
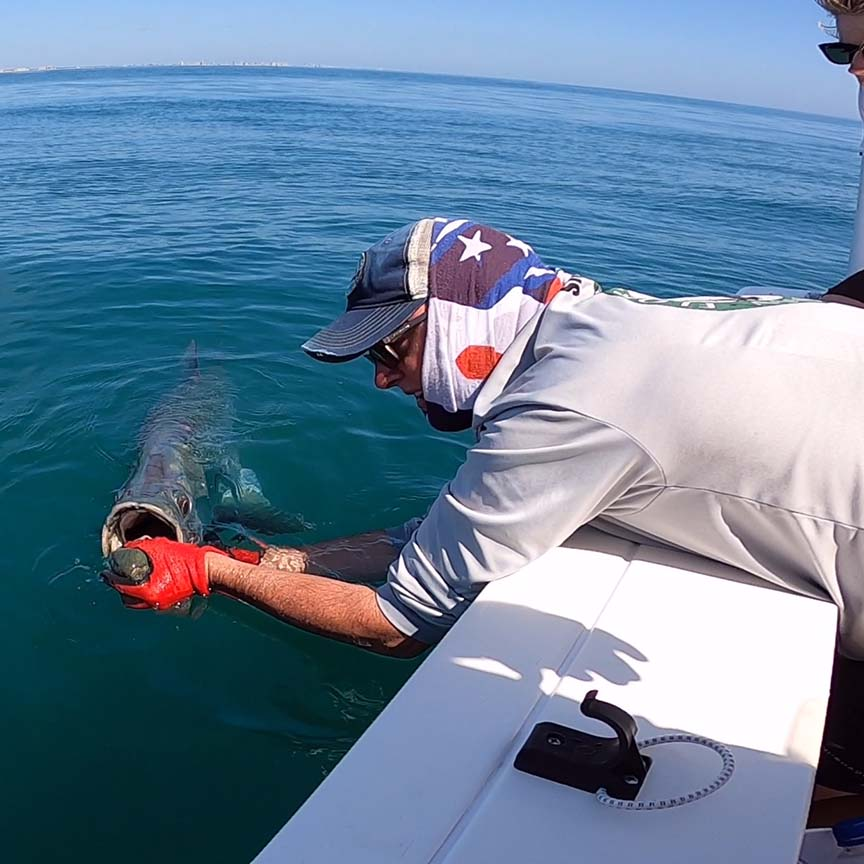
(355, 332)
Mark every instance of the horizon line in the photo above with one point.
(282, 64)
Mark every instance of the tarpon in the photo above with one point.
(185, 462)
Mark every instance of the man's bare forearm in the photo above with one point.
(362, 558)
(329, 607)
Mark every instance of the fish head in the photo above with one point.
(165, 512)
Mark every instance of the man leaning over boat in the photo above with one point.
(725, 426)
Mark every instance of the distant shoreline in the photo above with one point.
(279, 64)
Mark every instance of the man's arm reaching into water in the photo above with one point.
(330, 607)
(296, 585)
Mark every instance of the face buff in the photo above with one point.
(484, 286)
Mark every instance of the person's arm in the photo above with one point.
(362, 558)
(533, 477)
(318, 604)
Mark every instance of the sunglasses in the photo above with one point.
(841, 53)
(383, 352)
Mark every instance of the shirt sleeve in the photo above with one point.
(400, 534)
(532, 479)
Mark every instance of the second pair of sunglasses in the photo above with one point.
(841, 53)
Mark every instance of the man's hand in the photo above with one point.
(158, 573)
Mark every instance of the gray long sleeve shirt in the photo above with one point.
(728, 427)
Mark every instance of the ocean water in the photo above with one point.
(143, 208)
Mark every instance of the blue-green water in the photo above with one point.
(142, 208)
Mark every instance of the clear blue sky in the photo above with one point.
(761, 52)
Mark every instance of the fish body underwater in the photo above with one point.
(181, 436)
(188, 480)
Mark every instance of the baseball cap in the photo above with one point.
(391, 283)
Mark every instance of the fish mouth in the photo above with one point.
(131, 521)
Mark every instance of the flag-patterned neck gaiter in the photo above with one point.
(484, 286)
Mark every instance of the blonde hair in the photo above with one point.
(843, 7)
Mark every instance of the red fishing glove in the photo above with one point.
(177, 571)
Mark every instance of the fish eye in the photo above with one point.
(183, 503)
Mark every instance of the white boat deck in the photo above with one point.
(683, 644)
